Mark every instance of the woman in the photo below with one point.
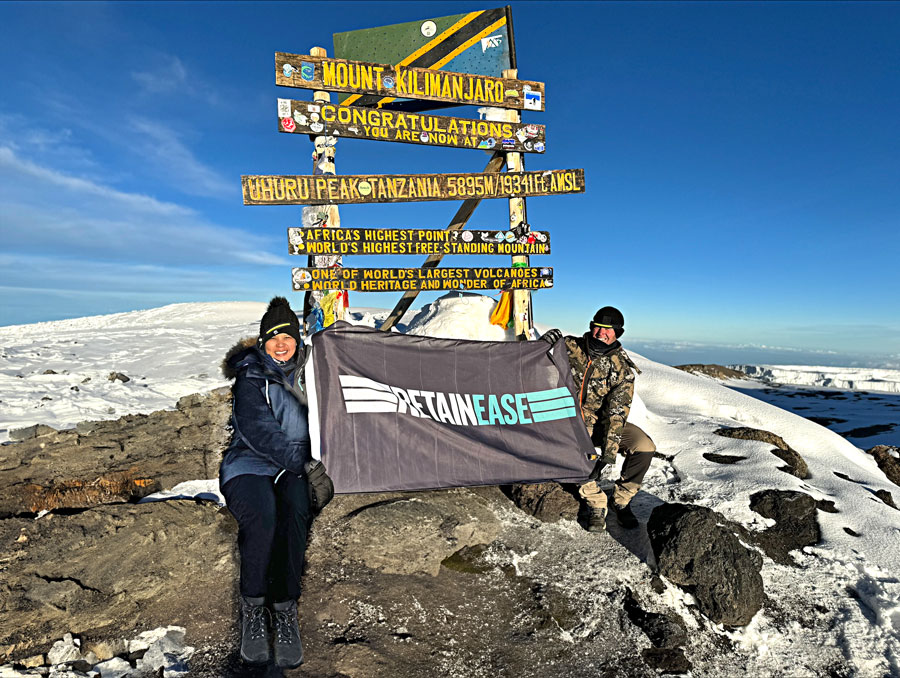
(262, 478)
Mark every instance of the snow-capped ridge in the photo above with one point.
(843, 378)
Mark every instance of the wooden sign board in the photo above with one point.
(404, 279)
(479, 42)
(414, 241)
(360, 77)
(369, 188)
(310, 117)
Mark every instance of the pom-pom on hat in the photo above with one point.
(279, 319)
(609, 316)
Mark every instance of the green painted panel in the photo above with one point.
(478, 42)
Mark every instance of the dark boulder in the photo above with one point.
(886, 456)
(886, 497)
(722, 458)
(548, 502)
(698, 549)
(795, 519)
(796, 465)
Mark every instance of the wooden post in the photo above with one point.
(324, 164)
(515, 162)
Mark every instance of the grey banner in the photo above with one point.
(404, 412)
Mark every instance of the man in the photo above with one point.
(604, 378)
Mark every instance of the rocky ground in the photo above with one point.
(467, 582)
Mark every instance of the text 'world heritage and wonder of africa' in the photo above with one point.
(405, 279)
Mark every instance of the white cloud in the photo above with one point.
(78, 185)
(162, 145)
(170, 76)
(45, 210)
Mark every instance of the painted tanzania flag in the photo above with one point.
(402, 412)
(479, 42)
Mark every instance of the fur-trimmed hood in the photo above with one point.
(234, 354)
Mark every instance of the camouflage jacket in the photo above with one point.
(606, 397)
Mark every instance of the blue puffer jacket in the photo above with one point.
(270, 423)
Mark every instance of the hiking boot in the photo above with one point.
(595, 519)
(625, 516)
(288, 650)
(254, 631)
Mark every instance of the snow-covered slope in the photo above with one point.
(175, 350)
(844, 378)
(166, 353)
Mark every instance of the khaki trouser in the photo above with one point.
(638, 449)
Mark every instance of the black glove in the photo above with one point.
(551, 336)
(321, 489)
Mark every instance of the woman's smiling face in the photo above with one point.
(281, 347)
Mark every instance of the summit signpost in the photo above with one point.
(415, 82)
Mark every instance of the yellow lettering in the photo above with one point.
(321, 186)
(365, 79)
(432, 83)
(290, 186)
(328, 75)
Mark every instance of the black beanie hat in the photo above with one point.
(278, 319)
(609, 316)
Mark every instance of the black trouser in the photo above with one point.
(273, 520)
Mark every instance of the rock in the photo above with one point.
(795, 519)
(165, 650)
(30, 432)
(886, 497)
(548, 502)
(408, 533)
(48, 372)
(746, 433)
(118, 376)
(796, 465)
(110, 488)
(722, 458)
(107, 649)
(696, 549)
(9, 671)
(888, 459)
(33, 662)
(105, 570)
(826, 506)
(66, 672)
(667, 660)
(716, 371)
(166, 447)
(665, 631)
(63, 651)
(114, 668)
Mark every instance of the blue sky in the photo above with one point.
(742, 164)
